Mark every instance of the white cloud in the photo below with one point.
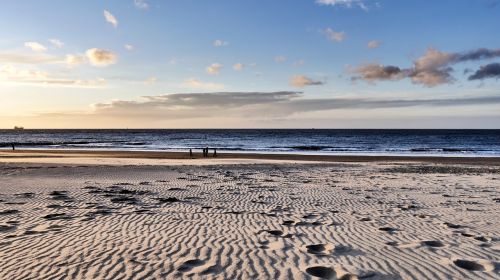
(128, 47)
(197, 84)
(280, 58)
(100, 57)
(214, 69)
(238, 66)
(29, 59)
(110, 18)
(333, 35)
(75, 59)
(56, 43)
(302, 81)
(11, 74)
(345, 3)
(141, 4)
(373, 44)
(35, 46)
(220, 43)
(299, 62)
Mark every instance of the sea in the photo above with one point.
(408, 142)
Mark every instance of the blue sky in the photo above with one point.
(161, 64)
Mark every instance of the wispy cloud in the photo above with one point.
(110, 18)
(301, 81)
(20, 58)
(141, 4)
(35, 46)
(432, 69)
(344, 3)
(214, 69)
(56, 43)
(280, 58)
(238, 66)
(33, 77)
(73, 60)
(373, 44)
(220, 43)
(335, 36)
(193, 83)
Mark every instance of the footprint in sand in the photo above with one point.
(388, 229)
(322, 272)
(330, 249)
(278, 233)
(454, 226)
(58, 216)
(473, 266)
(7, 228)
(9, 212)
(190, 264)
(432, 243)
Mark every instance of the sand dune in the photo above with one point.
(249, 221)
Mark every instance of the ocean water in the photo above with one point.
(303, 141)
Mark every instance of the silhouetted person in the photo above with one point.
(13, 147)
(215, 152)
(206, 152)
(190, 153)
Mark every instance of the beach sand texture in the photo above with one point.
(249, 221)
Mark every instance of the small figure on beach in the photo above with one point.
(13, 147)
(206, 152)
(215, 152)
(191, 153)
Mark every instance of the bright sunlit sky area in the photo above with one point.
(250, 64)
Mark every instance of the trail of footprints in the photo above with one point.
(114, 199)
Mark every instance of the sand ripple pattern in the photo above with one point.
(282, 221)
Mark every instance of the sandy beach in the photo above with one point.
(126, 215)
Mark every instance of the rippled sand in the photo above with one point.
(249, 221)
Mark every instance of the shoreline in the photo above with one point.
(5, 155)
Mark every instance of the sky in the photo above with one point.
(250, 64)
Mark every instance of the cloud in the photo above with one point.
(333, 35)
(35, 46)
(220, 43)
(110, 18)
(100, 57)
(431, 69)
(238, 66)
(302, 81)
(29, 59)
(42, 78)
(193, 83)
(487, 71)
(56, 43)
(75, 59)
(141, 4)
(128, 47)
(373, 44)
(375, 72)
(344, 3)
(257, 105)
(299, 62)
(280, 58)
(214, 69)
